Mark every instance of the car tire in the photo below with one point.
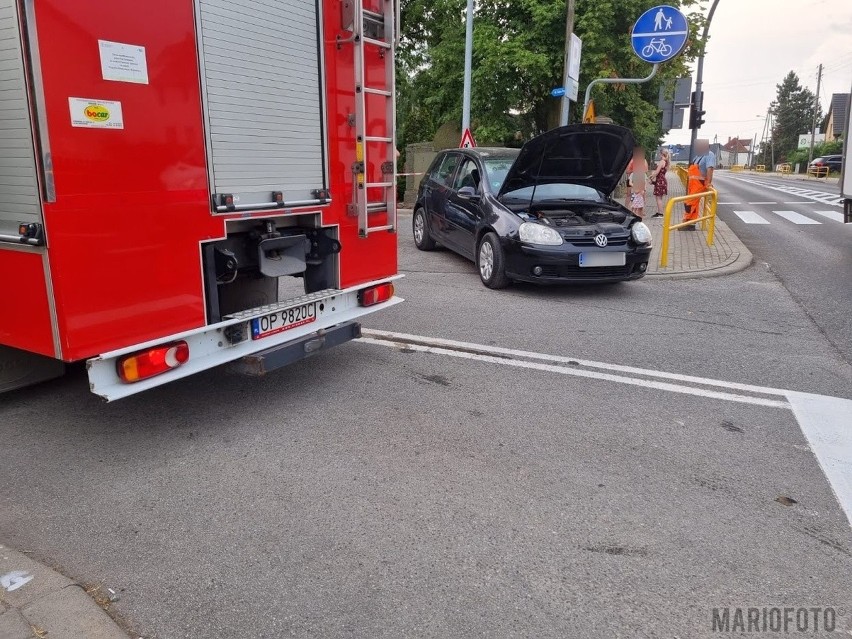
(420, 228)
(491, 262)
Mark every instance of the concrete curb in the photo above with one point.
(740, 259)
(36, 601)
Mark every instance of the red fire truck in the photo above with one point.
(185, 183)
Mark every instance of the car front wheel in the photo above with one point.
(422, 238)
(491, 262)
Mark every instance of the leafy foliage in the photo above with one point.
(518, 59)
(793, 111)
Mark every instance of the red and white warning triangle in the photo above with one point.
(467, 141)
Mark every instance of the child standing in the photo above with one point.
(638, 174)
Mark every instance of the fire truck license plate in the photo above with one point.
(283, 321)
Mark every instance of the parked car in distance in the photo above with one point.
(542, 214)
(833, 162)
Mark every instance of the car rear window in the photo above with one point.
(444, 173)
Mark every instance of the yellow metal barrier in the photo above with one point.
(737, 168)
(785, 169)
(707, 219)
(760, 168)
(818, 171)
(682, 174)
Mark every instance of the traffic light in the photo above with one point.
(696, 111)
(695, 117)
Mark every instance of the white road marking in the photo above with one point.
(799, 202)
(827, 425)
(796, 218)
(817, 196)
(572, 361)
(727, 203)
(564, 370)
(750, 217)
(11, 581)
(826, 422)
(761, 202)
(831, 215)
(575, 367)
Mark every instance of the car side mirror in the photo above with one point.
(468, 193)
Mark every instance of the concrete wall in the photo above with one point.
(418, 157)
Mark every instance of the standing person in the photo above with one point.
(638, 175)
(628, 193)
(700, 179)
(661, 181)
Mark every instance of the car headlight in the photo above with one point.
(533, 233)
(641, 233)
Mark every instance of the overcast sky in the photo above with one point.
(753, 44)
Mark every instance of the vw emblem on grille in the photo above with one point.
(600, 240)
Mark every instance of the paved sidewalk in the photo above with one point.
(36, 601)
(689, 255)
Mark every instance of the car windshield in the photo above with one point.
(563, 192)
(496, 170)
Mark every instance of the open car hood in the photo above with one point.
(593, 155)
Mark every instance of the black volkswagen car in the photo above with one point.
(544, 213)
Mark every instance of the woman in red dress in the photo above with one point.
(660, 181)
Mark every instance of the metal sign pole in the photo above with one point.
(569, 30)
(699, 76)
(617, 81)
(468, 67)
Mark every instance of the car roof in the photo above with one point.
(488, 152)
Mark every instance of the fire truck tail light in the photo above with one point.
(376, 294)
(154, 361)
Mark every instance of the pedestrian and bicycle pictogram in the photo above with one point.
(660, 34)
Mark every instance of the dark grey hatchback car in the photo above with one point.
(543, 214)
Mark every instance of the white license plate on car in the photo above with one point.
(603, 259)
(285, 320)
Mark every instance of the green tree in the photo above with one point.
(793, 111)
(518, 50)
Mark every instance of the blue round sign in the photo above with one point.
(660, 34)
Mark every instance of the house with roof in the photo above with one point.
(737, 150)
(838, 115)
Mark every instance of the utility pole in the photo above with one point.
(569, 31)
(764, 135)
(816, 110)
(468, 67)
(772, 136)
(699, 76)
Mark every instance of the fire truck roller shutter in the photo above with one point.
(262, 77)
(20, 202)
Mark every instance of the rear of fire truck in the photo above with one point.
(185, 183)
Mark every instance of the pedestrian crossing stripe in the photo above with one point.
(831, 215)
(750, 217)
(796, 218)
(753, 217)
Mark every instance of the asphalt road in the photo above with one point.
(383, 491)
(809, 251)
